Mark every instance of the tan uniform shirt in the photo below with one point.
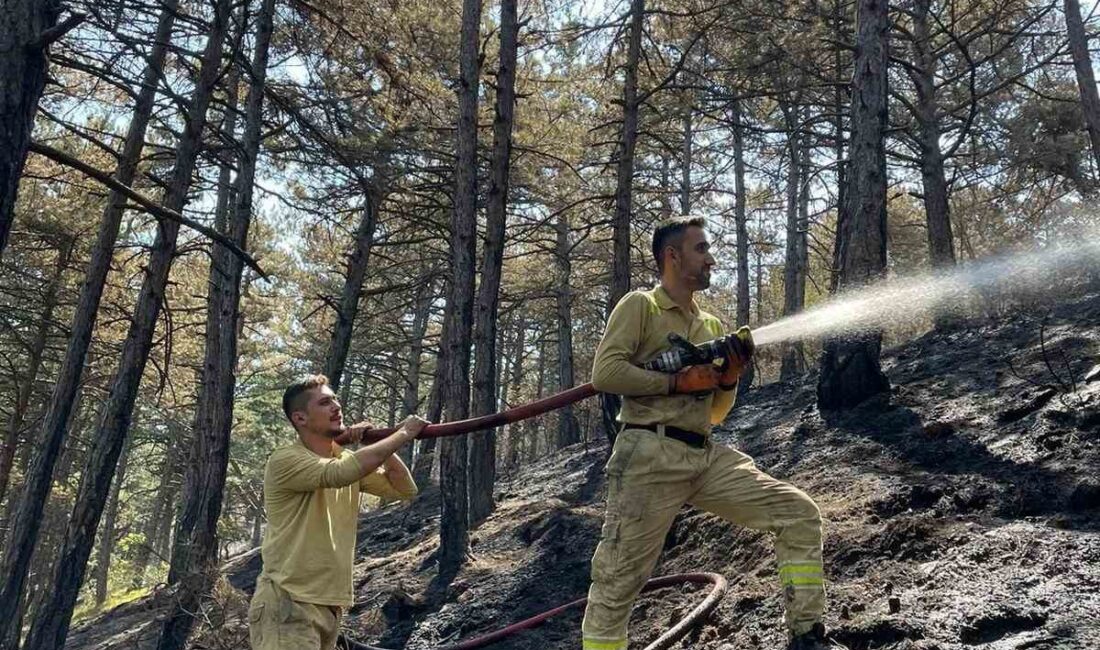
(637, 331)
(312, 507)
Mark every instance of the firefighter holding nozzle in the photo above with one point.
(677, 372)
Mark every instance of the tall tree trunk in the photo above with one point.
(666, 188)
(50, 629)
(34, 364)
(194, 552)
(107, 534)
(850, 370)
(685, 162)
(1086, 79)
(28, 513)
(568, 429)
(410, 402)
(838, 128)
(162, 510)
(941, 245)
(454, 523)
(26, 29)
(425, 448)
(741, 225)
(483, 464)
(794, 271)
(340, 342)
(620, 267)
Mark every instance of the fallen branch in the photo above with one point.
(149, 205)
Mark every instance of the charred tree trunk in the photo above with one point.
(107, 532)
(838, 128)
(27, 27)
(1086, 79)
(195, 550)
(941, 244)
(794, 293)
(49, 630)
(850, 370)
(685, 162)
(162, 511)
(337, 355)
(568, 429)
(410, 401)
(454, 523)
(425, 448)
(28, 514)
(34, 364)
(483, 465)
(620, 267)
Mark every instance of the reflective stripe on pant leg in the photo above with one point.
(733, 488)
(603, 644)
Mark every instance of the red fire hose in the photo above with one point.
(516, 414)
(672, 635)
(522, 412)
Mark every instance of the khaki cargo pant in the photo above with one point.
(649, 478)
(278, 622)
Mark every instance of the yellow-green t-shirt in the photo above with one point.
(312, 505)
(637, 331)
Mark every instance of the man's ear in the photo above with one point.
(298, 418)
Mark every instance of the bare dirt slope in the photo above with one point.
(962, 512)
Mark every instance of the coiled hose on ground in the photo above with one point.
(672, 635)
(677, 632)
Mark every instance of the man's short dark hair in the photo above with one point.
(295, 396)
(670, 232)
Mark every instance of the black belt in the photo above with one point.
(689, 438)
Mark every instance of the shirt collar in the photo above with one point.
(665, 301)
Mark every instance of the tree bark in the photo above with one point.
(483, 463)
(340, 342)
(160, 518)
(425, 449)
(107, 534)
(941, 244)
(410, 402)
(741, 226)
(28, 514)
(850, 370)
(1086, 79)
(685, 162)
(34, 364)
(24, 25)
(50, 629)
(794, 286)
(454, 522)
(620, 266)
(568, 429)
(194, 553)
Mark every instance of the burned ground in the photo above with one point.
(963, 511)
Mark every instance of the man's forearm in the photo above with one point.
(399, 476)
(375, 455)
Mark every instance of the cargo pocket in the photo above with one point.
(255, 625)
(625, 446)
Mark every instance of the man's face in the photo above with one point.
(322, 413)
(695, 261)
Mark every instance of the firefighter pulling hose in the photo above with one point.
(678, 375)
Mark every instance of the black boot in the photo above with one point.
(815, 639)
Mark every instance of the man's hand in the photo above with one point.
(739, 348)
(414, 425)
(695, 379)
(356, 432)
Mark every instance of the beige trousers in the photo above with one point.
(278, 622)
(649, 477)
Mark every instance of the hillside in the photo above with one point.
(962, 512)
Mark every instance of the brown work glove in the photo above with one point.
(694, 379)
(739, 350)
